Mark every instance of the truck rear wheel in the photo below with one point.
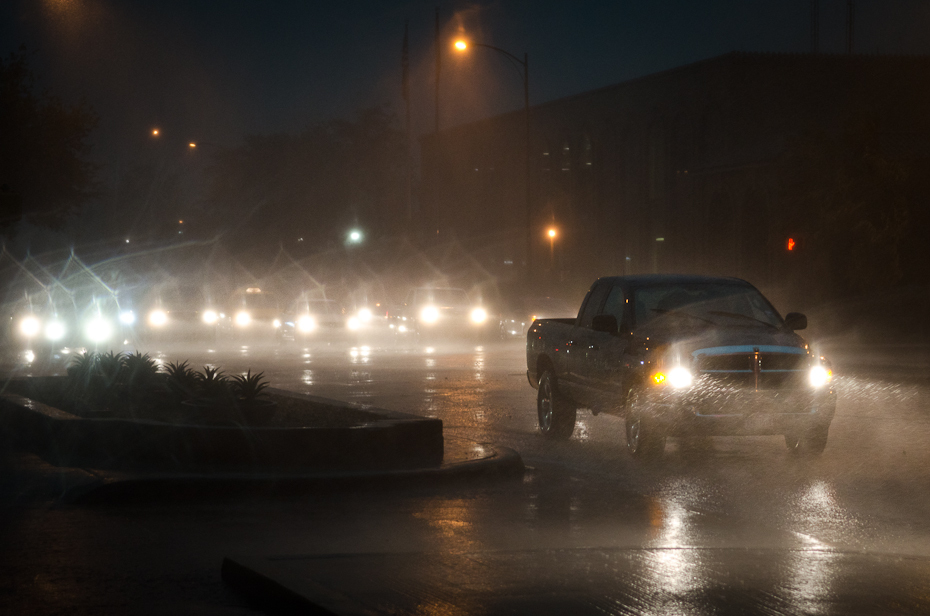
(556, 416)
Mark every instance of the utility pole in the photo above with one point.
(815, 26)
(850, 18)
(438, 67)
(405, 90)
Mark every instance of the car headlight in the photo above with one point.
(127, 317)
(429, 314)
(29, 326)
(365, 315)
(306, 323)
(479, 316)
(276, 323)
(158, 318)
(820, 376)
(98, 329)
(55, 330)
(243, 318)
(210, 317)
(354, 323)
(678, 377)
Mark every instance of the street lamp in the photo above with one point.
(355, 236)
(552, 233)
(462, 45)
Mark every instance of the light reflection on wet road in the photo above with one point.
(812, 522)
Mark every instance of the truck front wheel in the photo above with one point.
(642, 438)
(556, 415)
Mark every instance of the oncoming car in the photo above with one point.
(444, 312)
(255, 314)
(315, 319)
(183, 312)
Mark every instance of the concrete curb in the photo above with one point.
(119, 488)
(381, 439)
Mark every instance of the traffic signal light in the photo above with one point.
(790, 244)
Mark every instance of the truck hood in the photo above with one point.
(720, 341)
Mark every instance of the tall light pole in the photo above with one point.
(462, 45)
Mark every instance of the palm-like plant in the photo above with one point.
(249, 387)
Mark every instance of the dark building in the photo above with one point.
(677, 171)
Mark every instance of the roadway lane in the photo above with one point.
(867, 498)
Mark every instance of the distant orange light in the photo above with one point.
(180, 222)
(551, 233)
(461, 45)
(155, 132)
(791, 243)
(192, 145)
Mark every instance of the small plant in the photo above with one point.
(213, 386)
(181, 381)
(249, 387)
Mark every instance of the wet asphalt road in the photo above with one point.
(854, 519)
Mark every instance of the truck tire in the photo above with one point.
(642, 439)
(556, 416)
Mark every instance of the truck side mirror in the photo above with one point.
(604, 323)
(795, 321)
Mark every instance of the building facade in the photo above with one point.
(674, 172)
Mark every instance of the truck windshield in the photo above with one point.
(712, 303)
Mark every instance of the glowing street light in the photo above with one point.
(552, 232)
(192, 145)
(524, 64)
(156, 132)
(355, 236)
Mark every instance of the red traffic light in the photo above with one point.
(790, 244)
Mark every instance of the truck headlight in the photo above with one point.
(306, 323)
(429, 314)
(29, 326)
(158, 318)
(479, 316)
(210, 317)
(127, 317)
(98, 329)
(678, 377)
(820, 376)
(243, 318)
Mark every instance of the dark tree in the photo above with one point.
(44, 176)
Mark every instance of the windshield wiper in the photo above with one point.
(683, 313)
(738, 315)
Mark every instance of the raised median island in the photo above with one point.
(297, 433)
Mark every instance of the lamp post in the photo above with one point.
(524, 64)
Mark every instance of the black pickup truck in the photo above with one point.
(681, 356)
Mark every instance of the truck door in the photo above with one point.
(574, 379)
(607, 359)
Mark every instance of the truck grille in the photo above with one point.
(754, 370)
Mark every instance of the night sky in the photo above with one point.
(213, 71)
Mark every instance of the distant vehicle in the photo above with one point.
(430, 312)
(521, 314)
(43, 320)
(681, 356)
(255, 314)
(183, 312)
(315, 319)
